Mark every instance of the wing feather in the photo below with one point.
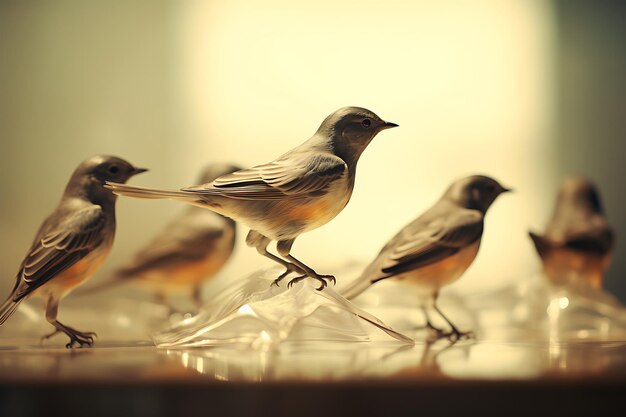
(61, 247)
(293, 176)
(433, 241)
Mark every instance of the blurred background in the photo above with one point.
(525, 91)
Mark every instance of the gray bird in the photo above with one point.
(577, 244)
(436, 248)
(72, 242)
(190, 250)
(300, 191)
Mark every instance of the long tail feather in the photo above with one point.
(8, 308)
(151, 193)
(355, 288)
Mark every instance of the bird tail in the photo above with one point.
(356, 287)
(542, 244)
(150, 193)
(8, 308)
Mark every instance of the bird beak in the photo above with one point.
(507, 190)
(136, 171)
(388, 125)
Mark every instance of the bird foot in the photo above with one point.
(80, 338)
(296, 280)
(435, 333)
(456, 335)
(321, 278)
(290, 269)
(76, 337)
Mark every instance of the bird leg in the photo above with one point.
(261, 242)
(76, 337)
(290, 267)
(439, 333)
(454, 334)
(196, 295)
(284, 247)
(161, 299)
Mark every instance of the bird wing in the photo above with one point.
(178, 245)
(598, 240)
(592, 236)
(428, 243)
(292, 175)
(62, 245)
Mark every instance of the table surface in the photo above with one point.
(127, 375)
(477, 377)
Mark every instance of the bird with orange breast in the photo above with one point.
(71, 243)
(299, 191)
(577, 244)
(436, 248)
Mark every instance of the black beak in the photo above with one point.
(136, 171)
(507, 190)
(388, 125)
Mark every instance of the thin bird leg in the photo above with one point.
(455, 333)
(290, 267)
(284, 247)
(260, 242)
(196, 295)
(161, 299)
(430, 326)
(79, 338)
(310, 272)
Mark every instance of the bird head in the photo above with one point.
(90, 176)
(351, 129)
(579, 194)
(476, 192)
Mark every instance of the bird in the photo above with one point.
(436, 248)
(72, 242)
(299, 191)
(191, 249)
(577, 244)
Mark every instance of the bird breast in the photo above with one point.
(432, 277)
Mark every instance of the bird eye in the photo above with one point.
(366, 123)
(114, 169)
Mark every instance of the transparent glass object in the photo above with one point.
(534, 309)
(253, 313)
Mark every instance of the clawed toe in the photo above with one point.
(81, 339)
(330, 278)
(321, 278)
(457, 335)
(296, 280)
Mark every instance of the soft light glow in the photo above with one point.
(468, 82)
(246, 310)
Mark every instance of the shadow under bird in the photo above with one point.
(577, 244)
(72, 242)
(190, 250)
(301, 190)
(436, 248)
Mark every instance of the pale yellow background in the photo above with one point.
(173, 85)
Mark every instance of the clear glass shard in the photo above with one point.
(254, 313)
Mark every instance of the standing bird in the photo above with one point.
(72, 242)
(437, 247)
(300, 191)
(578, 242)
(191, 249)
